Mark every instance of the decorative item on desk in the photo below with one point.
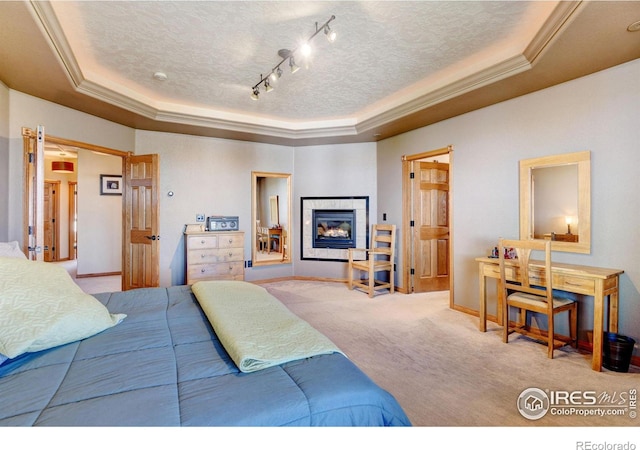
(510, 253)
(568, 220)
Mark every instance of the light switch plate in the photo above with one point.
(199, 217)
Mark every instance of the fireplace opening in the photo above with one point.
(334, 228)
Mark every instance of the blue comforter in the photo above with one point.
(164, 366)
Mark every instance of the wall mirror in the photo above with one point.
(555, 201)
(271, 224)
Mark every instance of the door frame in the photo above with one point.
(55, 228)
(407, 210)
(73, 210)
(34, 180)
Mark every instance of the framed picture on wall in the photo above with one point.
(110, 184)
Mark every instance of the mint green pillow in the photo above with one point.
(42, 307)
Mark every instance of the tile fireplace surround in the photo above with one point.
(308, 204)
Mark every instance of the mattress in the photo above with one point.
(165, 366)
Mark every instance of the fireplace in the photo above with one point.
(334, 228)
(332, 225)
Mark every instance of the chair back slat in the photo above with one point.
(536, 281)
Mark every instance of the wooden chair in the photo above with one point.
(284, 244)
(262, 238)
(530, 289)
(379, 257)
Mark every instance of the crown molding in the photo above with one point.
(126, 99)
(49, 25)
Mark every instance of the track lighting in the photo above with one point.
(331, 35)
(267, 86)
(292, 64)
(285, 54)
(276, 75)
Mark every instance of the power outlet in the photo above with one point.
(199, 217)
(249, 263)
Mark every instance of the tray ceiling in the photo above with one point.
(395, 66)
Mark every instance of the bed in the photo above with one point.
(159, 362)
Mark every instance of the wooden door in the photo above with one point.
(33, 202)
(141, 234)
(51, 227)
(73, 220)
(431, 226)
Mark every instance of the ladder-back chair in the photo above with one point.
(529, 287)
(379, 257)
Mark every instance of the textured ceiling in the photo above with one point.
(213, 52)
(393, 63)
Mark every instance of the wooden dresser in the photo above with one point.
(214, 255)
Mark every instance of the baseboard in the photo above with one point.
(92, 275)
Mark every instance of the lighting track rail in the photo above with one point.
(289, 55)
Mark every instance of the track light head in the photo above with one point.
(292, 65)
(305, 49)
(255, 95)
(331, 35)
(275, 74)
(267, 86)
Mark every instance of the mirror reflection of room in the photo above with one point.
(271, 219)
(555, 200)
(555, 208)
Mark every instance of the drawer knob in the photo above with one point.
(230, 241)
(202, 241)
(230, 253)
(202, 270)
(202, 256)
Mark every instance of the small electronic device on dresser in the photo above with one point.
(222, 223)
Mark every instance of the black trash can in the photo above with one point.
(617, 351)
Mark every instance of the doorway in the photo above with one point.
(427, 218)
(137, 200)
(87, 217)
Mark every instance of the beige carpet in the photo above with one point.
(441, 369)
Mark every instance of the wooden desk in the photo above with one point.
(592, 281)
(274, 234)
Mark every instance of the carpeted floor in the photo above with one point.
(442, 370)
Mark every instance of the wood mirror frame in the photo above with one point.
(527, 202)
(279, 186)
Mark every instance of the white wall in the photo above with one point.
(99, 216)
(59, 121)
(598, 113)
(331, 171)
(211, 177)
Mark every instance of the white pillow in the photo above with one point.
(41, 307)
(11, 250)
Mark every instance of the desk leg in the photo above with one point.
(613, 311)
(483, 300)
(598, 324)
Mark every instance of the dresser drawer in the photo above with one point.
(215, 271)
(198, 242)
(215, 255)
(230, 240)
(575, 284)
